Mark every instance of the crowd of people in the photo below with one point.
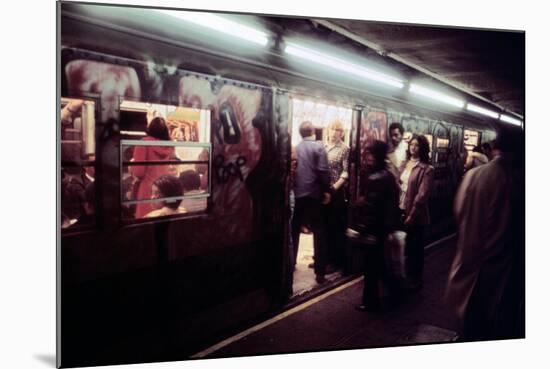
(393, 194)
(486, 280)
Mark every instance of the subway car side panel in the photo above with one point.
(185, 269)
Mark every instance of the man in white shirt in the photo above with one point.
(398, 154)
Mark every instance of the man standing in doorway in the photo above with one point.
(398, 153)
(311, 190)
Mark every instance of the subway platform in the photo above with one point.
(329, 321)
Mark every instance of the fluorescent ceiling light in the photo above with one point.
(416, 89)
(221, 25)
(330, 61)
(508, 119)
(480, 110)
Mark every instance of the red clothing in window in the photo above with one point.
(146, 174)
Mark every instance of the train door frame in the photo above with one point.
(350, 137)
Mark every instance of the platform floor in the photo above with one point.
(330, 321)
(304, 276)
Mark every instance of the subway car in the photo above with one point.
(142, 281)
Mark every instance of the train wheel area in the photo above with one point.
(330, 322)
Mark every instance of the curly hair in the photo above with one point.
(396, 125)
(169, 186)
(423, 148)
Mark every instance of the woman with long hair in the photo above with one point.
(157, 130)
(416, 180)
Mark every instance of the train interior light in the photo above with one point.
(480, 110)
(435, 95)
(342, 65)
(321, 114)
(220, 24)
(509, 119)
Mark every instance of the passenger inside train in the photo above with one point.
(166, 186)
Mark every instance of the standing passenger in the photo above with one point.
(487, 148)
(156, 130)
(398, 151)
(376, 215)
(338, 154)
(475, 159)
(416, 181)
(486, 287)
(311, 189)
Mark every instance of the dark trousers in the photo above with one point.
(336, 221)
(309, 212)
(414, 253)
(373, 273)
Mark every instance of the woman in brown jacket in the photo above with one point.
(416, 181)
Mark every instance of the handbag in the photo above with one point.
(363, 239)
(395, 253)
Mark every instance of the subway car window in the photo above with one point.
(165, 160)
(77, 163)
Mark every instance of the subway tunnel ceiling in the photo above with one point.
(490, 63)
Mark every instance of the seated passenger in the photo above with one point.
(166, 186)
(88, 217)
(191, 182)
(74, 181)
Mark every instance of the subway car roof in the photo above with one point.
(146, 34)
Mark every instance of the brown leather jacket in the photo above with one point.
(418, 193)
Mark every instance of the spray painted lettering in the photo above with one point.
(225, 171)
